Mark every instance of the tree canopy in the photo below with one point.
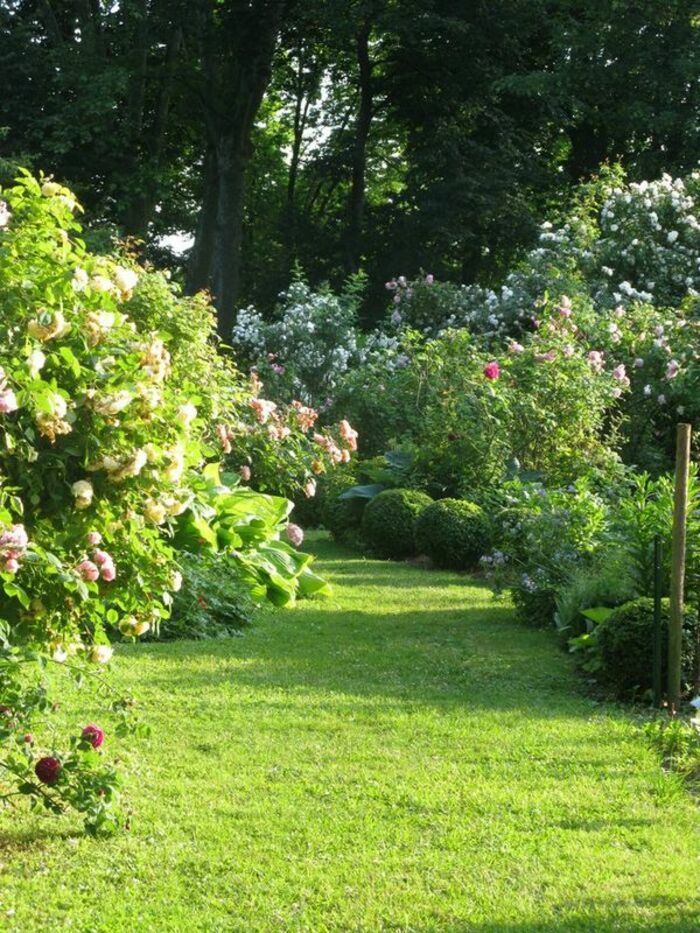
(390, 136)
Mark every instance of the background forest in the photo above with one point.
(420, 135)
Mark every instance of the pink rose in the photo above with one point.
(94, 538)
(93, 734)
(348, 434)
(88, 570)
(310, 488)
(245, 473)
(672, 369)
(108, 571)
(102, 557)
(11, 565)
(8, 401)
(429, 279)
(48, 770)
(492, 370)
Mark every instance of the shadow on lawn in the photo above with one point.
(468, 657)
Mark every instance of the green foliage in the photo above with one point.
(678, 742)
(623, 646)
(453, 533)
(389, 519)
(607, 582)
(212, 602)
(341, 517)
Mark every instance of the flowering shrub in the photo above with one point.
(311, 342)
(621, 243)
(112, 400)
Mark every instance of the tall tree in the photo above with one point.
(236, 42)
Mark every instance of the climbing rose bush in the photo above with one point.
(106, 438)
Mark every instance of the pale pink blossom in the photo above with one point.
(94, 538)
(245, 473)
(263, 409)
(595, 358)
(429, 279)
(348, 434)
(515, 347)
(88, 570)
(11, 565)
(108, 572)
(672, 369)
(310, 488)
(295, 534)
(8, 401)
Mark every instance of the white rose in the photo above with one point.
(83, 493)
(125, 279)
(186, 414)
(100, 654)
(36, 362)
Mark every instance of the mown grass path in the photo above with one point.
(405, 757)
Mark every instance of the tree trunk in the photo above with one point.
(356, 200)
(231, 160)
(238, 68)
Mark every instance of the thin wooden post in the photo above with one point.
(658, 584)
(680, 510)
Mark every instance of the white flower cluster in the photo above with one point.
(311, 343)
(643, 245)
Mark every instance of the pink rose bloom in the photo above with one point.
(88, 570)
(429, 279)
(102, 557)
(94, 538)
(595, 358)
(568, 350)
(515, 347)
(11, 565)
(15, 538)
(672, 369)
(310, 488)
(391, 286)
(492, 370)
(263, 408)
(295, 534)
(348, 434)
(245, 473)
(620, 373)
(108, 571)
(565, 306)
(93, 734)
(222, 434)
(8, 401)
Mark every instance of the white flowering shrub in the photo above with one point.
(311, 342)
(622, 243)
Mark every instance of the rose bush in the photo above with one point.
(113, 401)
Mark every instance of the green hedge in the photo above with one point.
(453, 533)
(388, 521)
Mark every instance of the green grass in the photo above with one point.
(404, 757)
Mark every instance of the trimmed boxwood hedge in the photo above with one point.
(388, 520)
(625, 647)
(453, 533)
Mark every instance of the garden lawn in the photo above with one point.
(402, 757)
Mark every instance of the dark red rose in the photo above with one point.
(94, 735)
(48, 770)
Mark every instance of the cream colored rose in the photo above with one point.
(155, 512)
(186, 414)
(112, 404)
(126, 280)
(83, 493)
(36, 362)
(57, 326)
(80, 280)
